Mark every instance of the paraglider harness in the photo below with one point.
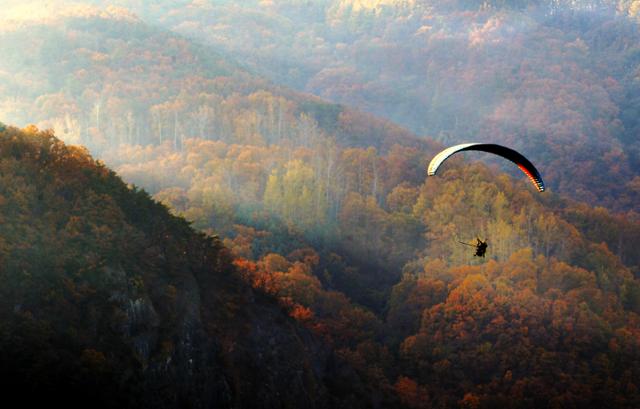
(481, 247)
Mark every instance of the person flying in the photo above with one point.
(480, 246)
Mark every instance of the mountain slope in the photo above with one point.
(353, 241)
(108, 300)
(105, 78)
(130, 92)
(556, 79)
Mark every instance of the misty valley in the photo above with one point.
(225, 204)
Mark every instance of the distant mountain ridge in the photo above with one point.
(555, 78)
(104, 78)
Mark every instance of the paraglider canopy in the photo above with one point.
(523, 163)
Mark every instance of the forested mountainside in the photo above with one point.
(558, 79)
(549, 319)
(104, 78)
(321, 208)
(319, 225)
(106, 296)
(109, 301)
(124, 89)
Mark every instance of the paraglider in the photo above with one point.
(523, 163)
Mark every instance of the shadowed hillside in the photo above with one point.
(109, 301)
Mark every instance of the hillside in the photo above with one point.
(133, 93)
(109, 301)
(328, 268)
(127, 299)
(362, 249)
(550, 319)
(104, 78)
(555, 78)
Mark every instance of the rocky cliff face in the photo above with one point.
(106, 300)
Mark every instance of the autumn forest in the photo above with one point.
(219, 204)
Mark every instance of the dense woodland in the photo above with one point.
(552, 289)
(556, 78)
(108, 301)
(446, 330)
(327, 210)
